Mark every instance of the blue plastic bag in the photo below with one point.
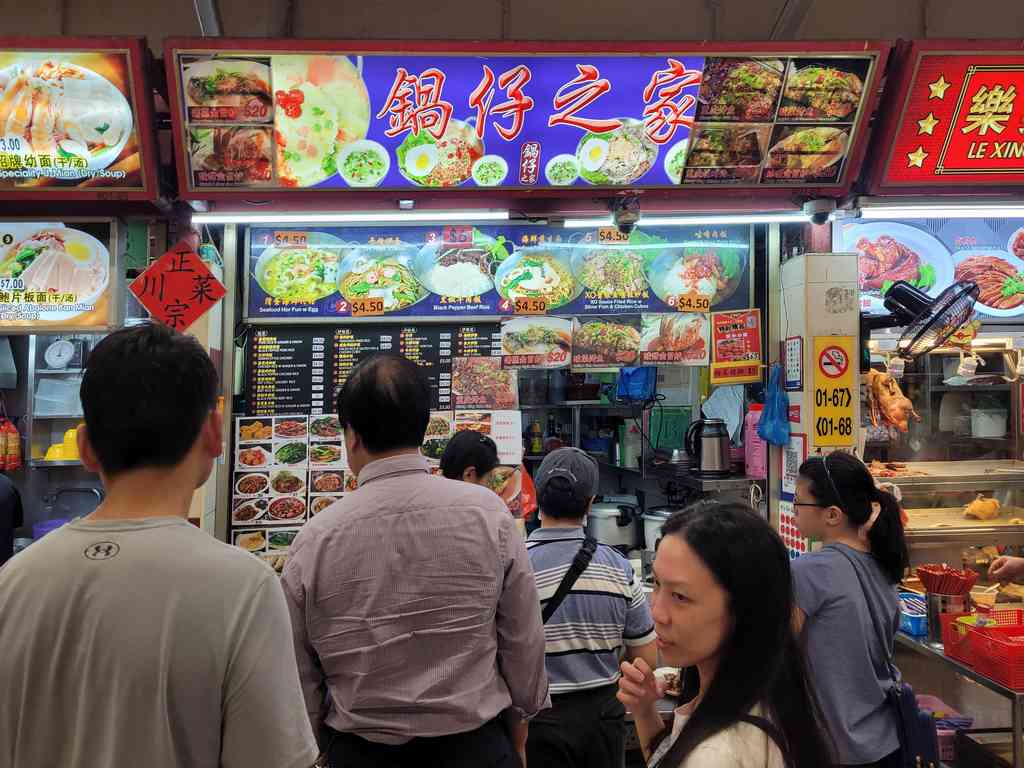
(636, 385)
(773, 427)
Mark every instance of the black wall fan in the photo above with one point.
(928, 322)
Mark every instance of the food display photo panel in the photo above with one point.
(823, 90)
(606, 343)
(683, 338)
(481, 382)
(806, 154)
(740, 89)
(932, 254)
(536, 342)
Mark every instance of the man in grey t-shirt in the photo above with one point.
(130, 637)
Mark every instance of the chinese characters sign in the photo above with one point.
(736, 347)
(178, 288)
(512, 270)
(68, 122)
(333, 121)
(962, 122)
(55, 276)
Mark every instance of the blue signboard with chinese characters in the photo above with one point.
(460, 271)
(248, 119)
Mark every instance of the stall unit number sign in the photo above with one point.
(834, 357)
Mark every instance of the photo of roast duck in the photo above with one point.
(887, 402)
(885, 259)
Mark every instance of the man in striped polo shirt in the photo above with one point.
(602, 619)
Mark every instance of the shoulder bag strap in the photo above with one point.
(579, 565)
(774, 734)
(886, 648)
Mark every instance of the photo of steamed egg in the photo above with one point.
(421, 160)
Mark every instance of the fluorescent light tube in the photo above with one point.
(949, 211)
(695, 220)
(364, 217)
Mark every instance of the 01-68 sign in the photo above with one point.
(833, 391)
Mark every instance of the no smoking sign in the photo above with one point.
(833, 362)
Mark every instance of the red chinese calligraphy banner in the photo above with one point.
(340, 116)
(960, 122)
(178, 288)
(75, 119)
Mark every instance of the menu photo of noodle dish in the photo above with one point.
(55, 274)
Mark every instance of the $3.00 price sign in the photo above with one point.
(834, 361)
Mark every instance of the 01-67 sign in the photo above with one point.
(833, 422)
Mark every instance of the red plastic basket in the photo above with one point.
(999, 654)
(956, 639)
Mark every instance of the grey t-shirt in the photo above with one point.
(845, 653)
(146, 643)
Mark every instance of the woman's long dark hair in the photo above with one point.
(842, 480)
(760, 661)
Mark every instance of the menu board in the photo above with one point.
(74, 122)
(295, 369)
(961, 120)
(250, 118)
(462, 272)
(55, 276)
(736, 347)
(932, 254)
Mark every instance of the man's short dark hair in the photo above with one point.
(558, 500)
(386, 400)
(145, 394)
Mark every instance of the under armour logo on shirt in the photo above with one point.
(102, 550)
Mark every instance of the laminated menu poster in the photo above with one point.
(55, 275)
(266, 119)
(736, 347)
(503, 427)
(932, 254)
(459, 272)
(605, 343)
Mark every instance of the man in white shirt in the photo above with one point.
(130, 637)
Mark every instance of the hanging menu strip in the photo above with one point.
(297, 370)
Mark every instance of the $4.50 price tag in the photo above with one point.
(524, 306)
(368, 307)
(611, 235)
(693, 302)
(834, 410)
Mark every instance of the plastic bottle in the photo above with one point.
(755, 450)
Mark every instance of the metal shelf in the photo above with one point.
(42, 463)
(59, 372)
(981, 388)
(57, 416)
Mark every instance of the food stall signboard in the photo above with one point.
(932, 254)
(248, 117)
(178, 288)
(55, 275)
(75, 121)
(493, 271)
(835, 358)
(736, 347)
(962, 121)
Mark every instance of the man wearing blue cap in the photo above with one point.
(594, 616)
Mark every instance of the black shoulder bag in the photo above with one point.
(918, 738)
(579, 565)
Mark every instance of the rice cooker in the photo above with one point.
(654, 519)
(614, 520)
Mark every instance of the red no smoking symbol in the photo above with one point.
(833, 362)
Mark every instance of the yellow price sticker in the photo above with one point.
(693, 302)
(368, 307)
(527, 306)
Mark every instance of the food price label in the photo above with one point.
(286, 239)
(834, 391)
(526, 306)
(693, 302)
(368, 307)
(611, 235)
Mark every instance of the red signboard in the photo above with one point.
(736, 347)
(960, 119)
(178, 288)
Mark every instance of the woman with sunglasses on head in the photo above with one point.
(723, 603)
(847, 604)
(469, 456)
